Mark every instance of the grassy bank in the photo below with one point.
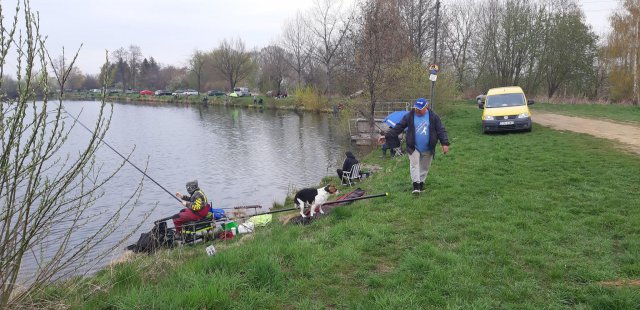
(526, 220)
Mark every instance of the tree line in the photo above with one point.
(382, 47)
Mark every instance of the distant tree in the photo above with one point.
(296, 42)
(197, 63)
(274, 66)
(134, 56)
(233, 61)
(570, 51)
(623, 52)
(418, 19)
(381, 45)
(508, 34)
(328, 29)
(149, 74)
(459, 30)
(91, 82)
(119, 57)
(75, 78)
(172, 77)
(9, 87)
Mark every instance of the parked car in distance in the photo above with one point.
(506, 109)
(161, 92)
(146, 92)
(178, 92)
(215, 93)
(242, 91)
(190, 92)
(131, 91)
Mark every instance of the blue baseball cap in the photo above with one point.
(421, 103)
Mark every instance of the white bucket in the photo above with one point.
(246, 228)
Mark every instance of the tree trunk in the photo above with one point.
(199, 82)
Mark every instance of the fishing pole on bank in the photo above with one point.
(123, 157)
(324, 204)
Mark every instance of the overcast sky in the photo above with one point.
(170, 30)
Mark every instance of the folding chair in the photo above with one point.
(349, 177)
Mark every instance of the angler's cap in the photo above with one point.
(421, 103)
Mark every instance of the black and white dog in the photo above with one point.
(314, 198)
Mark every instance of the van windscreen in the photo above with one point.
(504, 100)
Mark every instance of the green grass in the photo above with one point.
(522, 220)
(614, 112)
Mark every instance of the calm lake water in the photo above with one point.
(239, 156)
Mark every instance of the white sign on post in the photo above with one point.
(433, 77)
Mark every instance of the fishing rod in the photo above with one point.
(354, 199)
(324, 204)
(126, 159)
(242, 207)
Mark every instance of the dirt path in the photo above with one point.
(628, 135)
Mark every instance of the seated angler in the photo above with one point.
(346, 166)
(196, 206)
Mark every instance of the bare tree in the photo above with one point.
(43, 190)
(196, 66)
(328, 29)
(508, 34)
(274, 66)
(75, 78)
(381, 45)
(134, 57)
(233, 61)
(171, 77)
(419, 24)
(296, 42)
(458, 34)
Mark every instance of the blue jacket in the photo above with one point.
(436, 131)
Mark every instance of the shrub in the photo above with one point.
(310, 99)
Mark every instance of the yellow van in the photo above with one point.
(505, 108)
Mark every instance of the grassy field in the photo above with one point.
(539, 220)
(618, 113)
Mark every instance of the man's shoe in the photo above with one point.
(416, 188)
(421, 186)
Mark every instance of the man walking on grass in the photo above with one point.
(424, 131)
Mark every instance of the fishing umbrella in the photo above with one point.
(394, 118)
